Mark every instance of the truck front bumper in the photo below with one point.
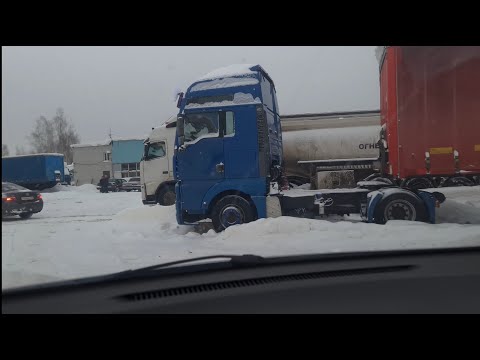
(149, 200)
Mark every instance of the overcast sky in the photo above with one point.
(131, 89)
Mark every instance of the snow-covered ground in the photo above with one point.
(81, 232)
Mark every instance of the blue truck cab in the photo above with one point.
(228, 161)
(228, 145)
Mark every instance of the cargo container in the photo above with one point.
(430, 114)
(35, 171)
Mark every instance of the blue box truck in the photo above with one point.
(35, 171)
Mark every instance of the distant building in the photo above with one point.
(117, 158)
(91, 162)
(126, 156)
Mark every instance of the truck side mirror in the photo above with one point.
(145, 151)
(180, 125)
(181, 140)
(180, 130)
(179, 100)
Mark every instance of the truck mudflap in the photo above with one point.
(178, 203)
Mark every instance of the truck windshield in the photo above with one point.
(156, 150)
(200, 125)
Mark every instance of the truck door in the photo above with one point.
(241, 153)
(200, 160)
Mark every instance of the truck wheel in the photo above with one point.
(400, 206)
(166, 196)
(231, 210)
(26, 215)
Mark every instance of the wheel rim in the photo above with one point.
(400, 210)
(169, 198)
(231, 215)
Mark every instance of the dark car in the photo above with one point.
(17, 200)
(114, 185)
(132, 184)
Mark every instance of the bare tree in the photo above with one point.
(20, 150)
(5, 151)
(54, 135)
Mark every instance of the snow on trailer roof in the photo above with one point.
(39, 154)
(98, 143)
(108, 141)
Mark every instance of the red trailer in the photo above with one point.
(430, 114)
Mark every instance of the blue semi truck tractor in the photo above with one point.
(35, 171)
(228, 161)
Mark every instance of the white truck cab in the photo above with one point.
(156, 168)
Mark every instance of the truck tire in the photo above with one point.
(166, 196)
(401, 206)
(231, 210)
(26, 215)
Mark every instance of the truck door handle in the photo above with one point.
(220, 167)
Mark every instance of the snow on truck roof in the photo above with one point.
(39, 154)
(229, 71)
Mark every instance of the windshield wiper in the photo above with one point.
(234, 261)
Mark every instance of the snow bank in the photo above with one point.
(285, 235)
(84, 188)
(86, 233)
(462, 205)
(56, 188)
(81, 188)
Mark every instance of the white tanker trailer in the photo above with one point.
(344, 148)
